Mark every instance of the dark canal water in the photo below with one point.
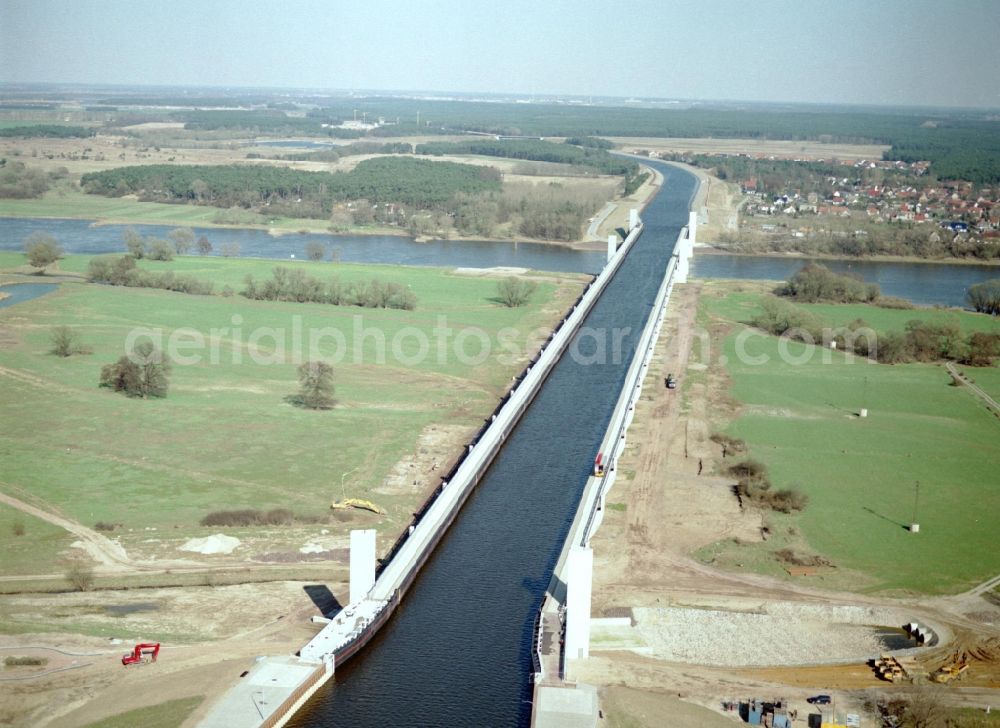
(81, 236)
(457, 652)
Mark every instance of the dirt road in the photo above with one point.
(100, 548)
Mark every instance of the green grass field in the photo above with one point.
(801, 420)
(225, 437)
(29, 545)
(62, 203)
(170, 714)
(987, 379)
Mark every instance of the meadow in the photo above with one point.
(225, 437)
(64, 203)
(801, 419)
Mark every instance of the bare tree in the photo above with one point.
(315, 250)
(80, 575)
(134, 243)
(183, 240)
(66, 342)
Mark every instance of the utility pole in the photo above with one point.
(914, 525)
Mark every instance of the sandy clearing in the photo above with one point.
(809, 150)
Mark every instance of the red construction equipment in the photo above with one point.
(145, 652)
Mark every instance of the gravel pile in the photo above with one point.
(217, 544)
(776, 634)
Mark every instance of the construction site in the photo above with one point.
(677, 629)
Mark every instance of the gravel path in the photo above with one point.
(776, 634)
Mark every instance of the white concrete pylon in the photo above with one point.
(362, 563)
(681, 274)
(692, 230)
(612, 245)
(633, 219)
(579, 582)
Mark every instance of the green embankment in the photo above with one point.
(170, 714)
(225, 437)
(801, 419)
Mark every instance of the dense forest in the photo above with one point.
(403, 180)
(960, 144)
(967, 150)
(597, 159)
(270, 121)
(33, 131)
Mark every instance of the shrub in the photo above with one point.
(298, 286)
(729, 444)
(105, 527)
(749, 470)
(985, 296)
(124, 272)
(159, 249)
(813, 283)
(754, 485)
(789, 556)
(24, 661)
(249, 517)
(982, 350)
(144, 374)
(17, 528)
(893, 302)
(65, 342)
(80, 576)
(514, 292)
(787, 500)
(315, 250)
(780, 318)
(42, 250)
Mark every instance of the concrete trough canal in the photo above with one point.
(458, 650)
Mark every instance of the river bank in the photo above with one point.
(102, 211)
(719, 249)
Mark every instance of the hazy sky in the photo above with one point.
(940, 52)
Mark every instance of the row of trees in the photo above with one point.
(298, 286)
(123, 271)
(919, 341)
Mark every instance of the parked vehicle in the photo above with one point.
(671, 382)
(819, 700)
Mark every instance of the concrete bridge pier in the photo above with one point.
(362, 564)
(579, 584)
